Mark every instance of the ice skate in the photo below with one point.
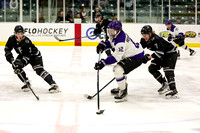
(192, 52)
(54, 89)
(173, 94)
(25, 88)
(121, 96)
(115, 91)
(164, 88)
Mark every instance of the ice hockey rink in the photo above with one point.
(69, 112)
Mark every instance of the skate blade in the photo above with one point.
(163, 92)
(54, 91)
(121, 100)
(114, 94)
(173, 97)
(26, 89)
(193, 53)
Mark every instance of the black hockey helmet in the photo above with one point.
(99, 15)
(19, 28)
(146, 29)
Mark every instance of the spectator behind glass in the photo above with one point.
(114, 17)
(60, 17)
(96, 13)
(83, 14)
(72, 13)
(80, 17)
(41, 19)
(189, 21)
(178, 21)
(104, 3)
(129, 4)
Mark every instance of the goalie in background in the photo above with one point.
(177, 37)
(27, 54)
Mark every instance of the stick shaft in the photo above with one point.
(26, 83)
(61, 40)
(103, 88)
(98, 99)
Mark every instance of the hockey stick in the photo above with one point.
(26, 83)
(61, 40)
(90, 97)
(98, 98)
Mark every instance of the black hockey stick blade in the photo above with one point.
(56, 38)
(88, 96)
(37, 98)
(99, 112)
(91, 97)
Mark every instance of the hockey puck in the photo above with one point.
(100, 112)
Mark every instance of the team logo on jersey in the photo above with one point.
(27, 41)
(89, 33)
(164, 34)
(190, 34)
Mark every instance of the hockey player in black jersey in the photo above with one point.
(164, 56)
(101, 26)
(27, 54)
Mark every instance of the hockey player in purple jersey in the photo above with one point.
(128, 55)
(27, 54)
(164, 56)
(177, 37)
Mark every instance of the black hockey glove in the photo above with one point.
(143, 42)
(101, 47)
(99, 65)
(179, 37)
(18, 65)
(9, 57)
(108, 52)
(170, 37)
(146, 59)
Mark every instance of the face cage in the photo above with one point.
(112, 34)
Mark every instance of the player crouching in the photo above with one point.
(128, 55)
(27, 54)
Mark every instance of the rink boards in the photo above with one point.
(42, 34)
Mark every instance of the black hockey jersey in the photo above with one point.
(25, 48)
(102, 28)
(159, 45)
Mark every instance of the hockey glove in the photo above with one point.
(170, 37)
(143, 42)
(101, 47)
(179, 37)
(99, 65)
(146, 59)
(9, 57)
(18, 65)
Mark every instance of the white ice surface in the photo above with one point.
(69, 112)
